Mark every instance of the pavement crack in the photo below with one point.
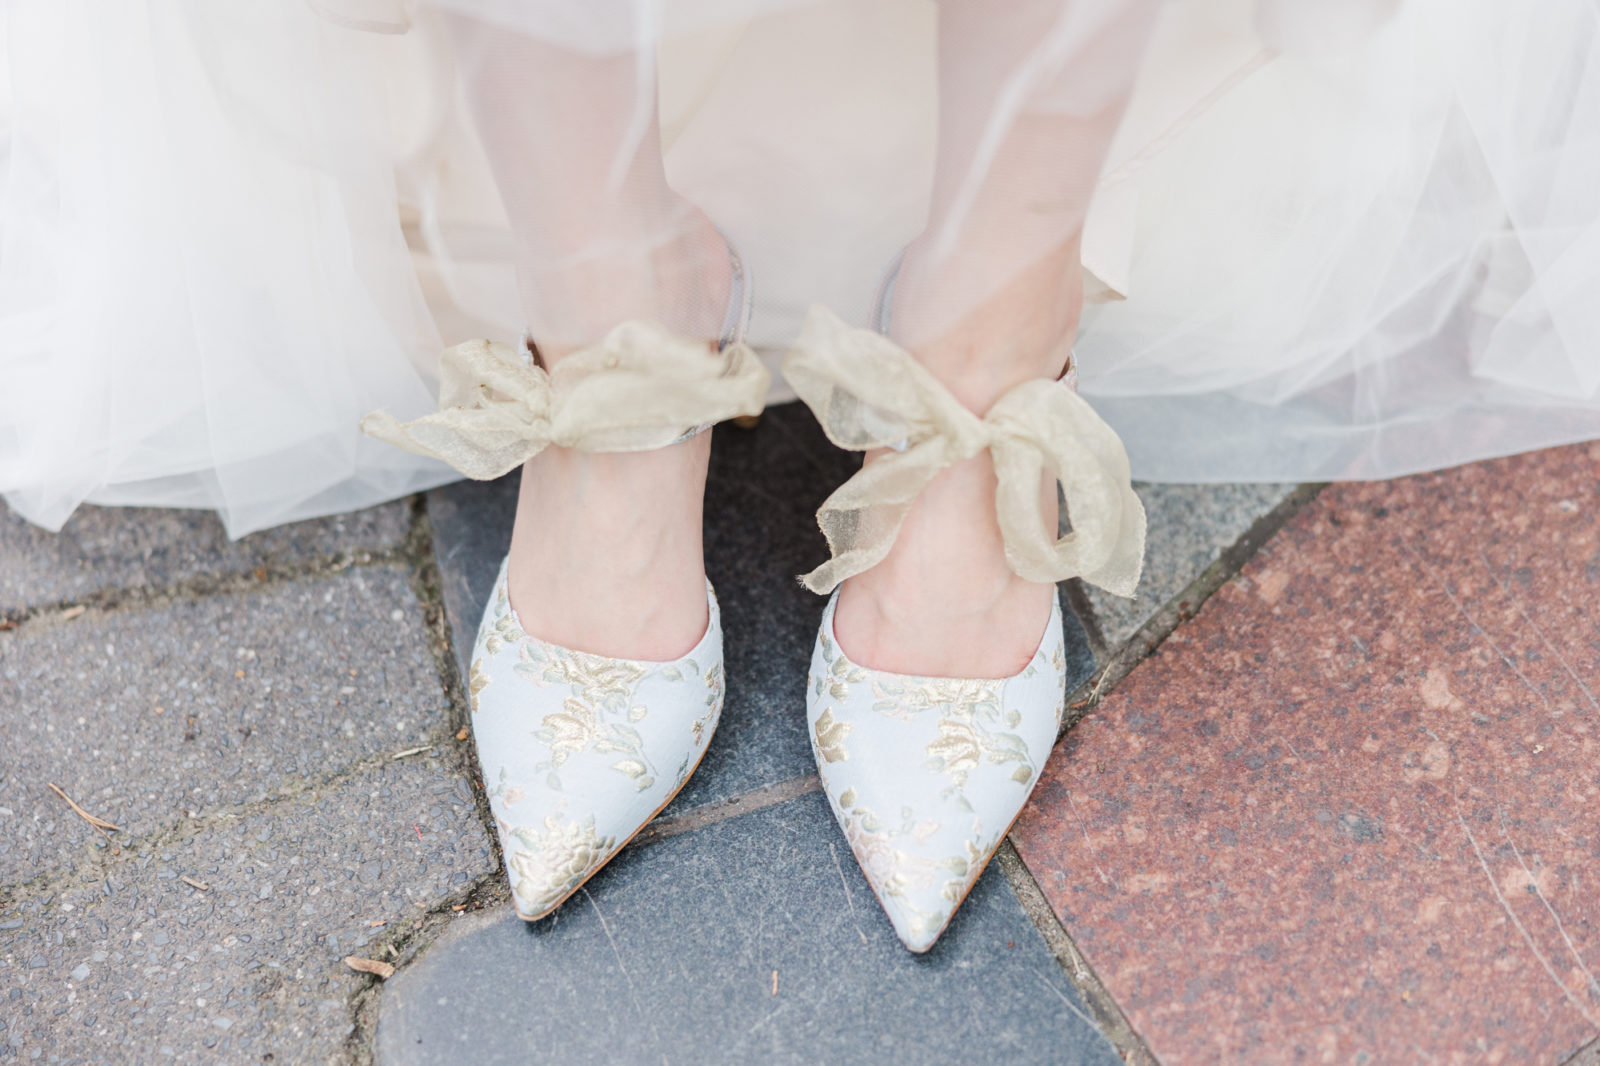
(126, 849)
(16, 620)
(1517, 922)
(633, 993)
(721, 810)
(1108, 1019)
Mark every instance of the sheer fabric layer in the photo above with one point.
(1345, 248)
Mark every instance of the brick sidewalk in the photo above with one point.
(1341, 811)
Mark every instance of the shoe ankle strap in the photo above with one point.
(869, 393)
(640, 388)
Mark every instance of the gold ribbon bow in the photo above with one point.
(641, 387)
(868, 392)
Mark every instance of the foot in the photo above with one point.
(606, 552)
(944, 602)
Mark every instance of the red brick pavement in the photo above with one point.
(1350, 812)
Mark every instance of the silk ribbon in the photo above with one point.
(870, 393)
(641, 387)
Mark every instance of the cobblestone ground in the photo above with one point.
(268, 725)
(1330, 796)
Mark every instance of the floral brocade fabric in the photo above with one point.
(579, 751)
(926, 774)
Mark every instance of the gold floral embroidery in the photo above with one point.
(966, 870)
(596, 678)
(503, 629)
(555, 862)
(958, 747)
(841, 672)
(830, 736)
(892, 871)
(973, 726)
(477, 681)
(598, 716)
(571, 729)
(713, 702)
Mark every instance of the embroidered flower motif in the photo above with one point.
(599, 713)
(830, 737)
(713, 703)
(594, 678)
(958, 747)
(477, 681)
(891, 871)
(570, 729)
(503, 629)
(966, 869)
(555, 862)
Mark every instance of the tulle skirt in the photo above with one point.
(1321, 245)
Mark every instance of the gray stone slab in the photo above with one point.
(1190, 526)
(143, 715)
(762, 493)
(135, 965)
(104, 548)
(671, 956)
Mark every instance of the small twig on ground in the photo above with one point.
(72, 612)
(192, 883)
(98, 823)
(372, 966)
(1094, 694)
(411, 751)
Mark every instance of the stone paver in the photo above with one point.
(1349, 813)
(1190, 526)
(136, 965)
(104, 548)
(762, 494)
(145, 715)
(752, 940)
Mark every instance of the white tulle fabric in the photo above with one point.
(1330, 240)
(867, 392)
(640, 388)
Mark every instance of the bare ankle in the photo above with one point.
(681, 281)
(606, 553)
(1022, 330)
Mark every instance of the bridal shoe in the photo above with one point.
(926, 774)
(579, 751)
